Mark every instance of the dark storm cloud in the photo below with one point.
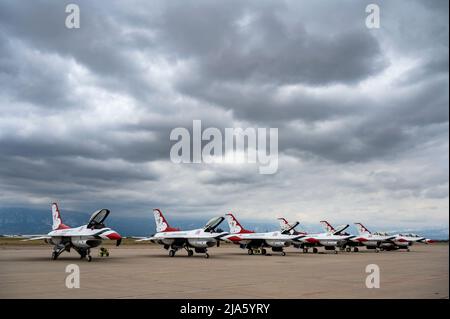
(73, 169)
(264, 49)
(379, 130)
(103, 45)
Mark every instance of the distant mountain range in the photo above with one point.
(19, 221)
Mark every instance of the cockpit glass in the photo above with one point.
(98, 217)
(213, 223)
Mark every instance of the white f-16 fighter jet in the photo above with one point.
(386, 241)
(257, 242)
(365, 238)
(330, 240)
(174, 239)
(82, 238)
(370, 240)
(379, 240)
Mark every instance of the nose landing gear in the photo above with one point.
(84, 253)
(189, 250)
(257, 251)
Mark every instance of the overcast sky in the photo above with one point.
(362, 113)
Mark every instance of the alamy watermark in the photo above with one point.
(73, 277)
(373, 17)
(373, 279)
(73, 17)
(236, 145)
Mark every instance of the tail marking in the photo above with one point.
(56, 216)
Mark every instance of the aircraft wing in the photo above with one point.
(37, 238)
(389, 239)
(144, 238)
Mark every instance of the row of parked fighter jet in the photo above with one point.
(83, 238)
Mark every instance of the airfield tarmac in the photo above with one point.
(146, 271)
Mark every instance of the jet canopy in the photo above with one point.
(410, 235)
(340, 229)
(381, 233)
(97, 218)
(289, 227)
(213, 223)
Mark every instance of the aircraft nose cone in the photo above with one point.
(114, 236)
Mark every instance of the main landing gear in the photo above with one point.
(263, 251)
(58, 249)
(190, 252)
(257, 251)
(84, 253)
(314, 250)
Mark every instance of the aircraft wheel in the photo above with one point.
(263, 251)
(171, 253)
(348, 249)
(283, 253)
(315, 250)
(377, 250)
(190, 253)
(305, 250)
(89, 258)
(408, 250)
(355, 249)
(54, 255)
(206, 255)
(250, 252)
(335, 252)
